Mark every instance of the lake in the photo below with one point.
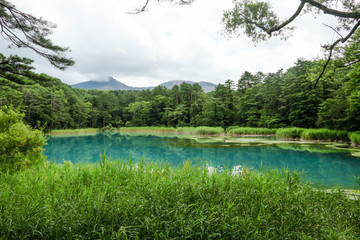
(322, 166)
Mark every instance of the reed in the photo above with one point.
(289, 133)
(250, 131)
(148, 129)
(210, 130)
(325, 135)
(123, 200)
(201, 130)
(74, 131)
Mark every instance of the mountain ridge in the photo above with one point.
(113, 84)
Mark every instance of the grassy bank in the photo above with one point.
(180, 130)
(289, 133)
(201, 130)
(148, 129)
(281, 133)
(325, 135)
(314, 134)
(249, 131)
(115, 200)
(74, 131)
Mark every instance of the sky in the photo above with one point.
(166, 42)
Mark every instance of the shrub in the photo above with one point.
(20, 145)
(293, 133)
(355, 137)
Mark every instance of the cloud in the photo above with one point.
(165, 43)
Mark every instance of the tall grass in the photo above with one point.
(325, 135)
(355, 137)
(209, 130)
(148, 129)
(289, 133)
(74, 131)
(250, 131)
(116, 200)
(180, 130)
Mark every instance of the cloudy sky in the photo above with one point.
(165, 43)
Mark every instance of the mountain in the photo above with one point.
(112, 84)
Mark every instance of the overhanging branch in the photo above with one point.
(326, 10)
(331, 48)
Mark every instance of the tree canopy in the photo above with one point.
(258, 21)
(146, 4)
(24, 30)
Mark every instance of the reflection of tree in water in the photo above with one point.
(334, 169)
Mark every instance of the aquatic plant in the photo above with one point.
(325, 135)
(250, 131)
(289, 133)
(209, 130)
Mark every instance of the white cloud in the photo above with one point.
(165, 43)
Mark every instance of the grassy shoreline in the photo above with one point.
(119, 200)
(298, 134)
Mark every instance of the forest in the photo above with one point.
(286, 98)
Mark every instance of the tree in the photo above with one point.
(259, 22)
(25, 30)
(144, 7)
(248, 80)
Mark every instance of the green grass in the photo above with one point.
(74, 131)
(355, 138)
(249, 131)
(180, 130)
(325, 135)
(209, 130)
(119, 200)
(148, 129)
(289, 133)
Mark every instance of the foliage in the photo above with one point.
(24, 30)
(234, 130)
(20, 146)
(259, 22)
(209, 130)
(116, 200)
(148, 129)
(355, 137)
(289, 133)
(286, 98)
(325, 135)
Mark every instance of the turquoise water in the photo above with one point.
(333, 169)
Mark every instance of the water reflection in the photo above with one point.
(332, 169)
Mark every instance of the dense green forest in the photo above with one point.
(285, 98)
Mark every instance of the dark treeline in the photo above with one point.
(281, 99)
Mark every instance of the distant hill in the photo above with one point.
(109, 84)
(113, 84)
(206, 86)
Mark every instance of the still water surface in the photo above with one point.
(328, 169)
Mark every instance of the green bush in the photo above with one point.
(293, 133)
(355, 137)
(20, 146)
